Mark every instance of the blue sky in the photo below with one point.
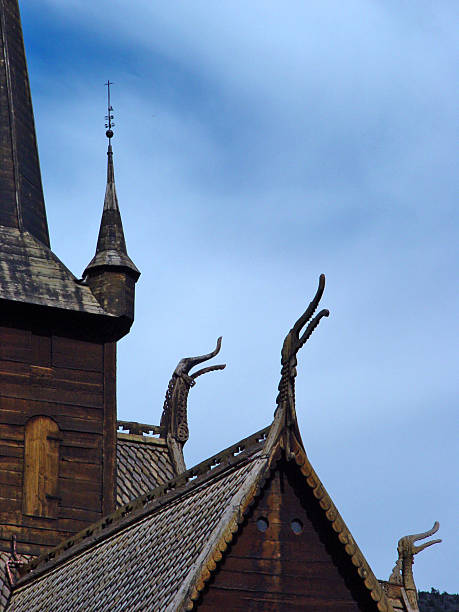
(257, 145)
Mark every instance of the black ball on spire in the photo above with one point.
(109, 134)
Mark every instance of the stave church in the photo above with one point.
(98, 514)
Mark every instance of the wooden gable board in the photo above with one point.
(278, 569)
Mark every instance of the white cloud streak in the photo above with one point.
(287, 140)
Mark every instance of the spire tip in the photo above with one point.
(109, 116)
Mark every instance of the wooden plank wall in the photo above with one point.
(73, 382)
(277, 570)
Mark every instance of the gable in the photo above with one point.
(270, 567)
(194, 543)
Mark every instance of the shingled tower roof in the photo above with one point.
(21, 194)
(111, 245)
(111, 274)
(30, 272)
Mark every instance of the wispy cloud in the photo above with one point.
(257, 145)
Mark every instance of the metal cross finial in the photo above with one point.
(109, 117)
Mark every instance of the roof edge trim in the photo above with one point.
(128, 437)
(145, 504)
(289, 446)
(341, 529)
(229, 524)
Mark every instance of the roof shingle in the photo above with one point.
(30, 273)
(159, 551)
(147, 565)
(5, 587)
(143, 463)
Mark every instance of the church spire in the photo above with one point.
(111, 244)
(22, 204)
(111, 274)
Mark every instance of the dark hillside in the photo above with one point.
(438, 602)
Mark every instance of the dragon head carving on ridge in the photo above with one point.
(174, 419)
(403, 571)
(293, 342)
(285, 415)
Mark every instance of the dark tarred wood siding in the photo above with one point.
(73, 382)
(278, 570)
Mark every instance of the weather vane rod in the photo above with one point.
(109, 117)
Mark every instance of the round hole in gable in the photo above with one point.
(297, 526)
(262, 524)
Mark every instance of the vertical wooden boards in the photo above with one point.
(41, 467)
(57, 436)
(286, 557)
(109, 443)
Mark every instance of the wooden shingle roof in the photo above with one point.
(159, 551)
(21, 195)
(5, 567)
(146, 554)
(111, 244)
(143, 463)
(30, 273)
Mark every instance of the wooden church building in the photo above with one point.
(100, 515)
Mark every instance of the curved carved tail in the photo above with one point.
(310, 310)
(312, 326)
(202, 371)
(190, 362)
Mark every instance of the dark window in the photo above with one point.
(297, 526)
(262, 523)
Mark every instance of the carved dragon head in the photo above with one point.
(403, 572)
(187, 363)
(174, 419)
(293, 341)
(406, 547)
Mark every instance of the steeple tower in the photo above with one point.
(111, 274)
(57, 339)
(21, 194)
